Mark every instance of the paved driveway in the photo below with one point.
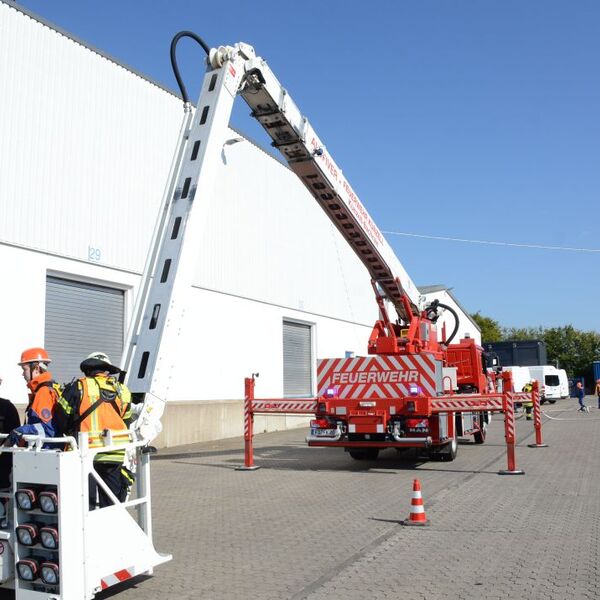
(314, 524)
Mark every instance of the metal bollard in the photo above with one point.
(537, 417)
(248, 427)
(509, 434)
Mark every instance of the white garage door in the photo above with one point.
(80, 319)
(297, 359)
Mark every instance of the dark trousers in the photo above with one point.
(111, 474)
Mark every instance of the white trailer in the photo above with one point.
(564, 383)
(549, 379)
(520, 376)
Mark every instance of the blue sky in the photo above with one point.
(471, 119)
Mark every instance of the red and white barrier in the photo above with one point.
(499, 402)
(537, 417)
(278, 406)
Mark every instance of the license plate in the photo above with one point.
(323, 432)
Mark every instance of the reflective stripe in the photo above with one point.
(127, 475)
(40, 429)
(96, 440)
(116, 456)
(65, 405)
(117, 577)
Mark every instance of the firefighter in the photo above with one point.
(43, 396)
(528, 405)
(94, 404)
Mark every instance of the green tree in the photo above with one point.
(563, 345)
(522, 333)
(490, 329)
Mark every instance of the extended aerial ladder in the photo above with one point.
(231, 71)
(404, 396)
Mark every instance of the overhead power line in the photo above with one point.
(489, 243)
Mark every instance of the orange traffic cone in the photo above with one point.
(417, 511)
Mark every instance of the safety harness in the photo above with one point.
(105, 396)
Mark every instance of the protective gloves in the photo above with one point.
(15, 438)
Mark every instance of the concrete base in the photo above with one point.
(208, 420)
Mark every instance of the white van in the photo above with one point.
(564, 383)
(549, 380)
(520, 376)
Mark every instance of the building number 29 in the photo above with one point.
(94, 254)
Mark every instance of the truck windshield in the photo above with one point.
(551, 380)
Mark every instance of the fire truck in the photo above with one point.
(395, 396)
(390, 398)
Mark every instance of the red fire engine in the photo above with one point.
(414, 389)
(391, 398)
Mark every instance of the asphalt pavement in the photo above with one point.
(313, 524)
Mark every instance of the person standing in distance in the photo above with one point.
(580, 396)
(597, 391)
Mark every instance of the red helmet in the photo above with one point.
(32, 355)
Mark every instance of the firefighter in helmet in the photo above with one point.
(528, 404)
(43, 395)
(95, 404)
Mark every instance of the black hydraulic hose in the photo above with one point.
(174, 41)
(456, 321)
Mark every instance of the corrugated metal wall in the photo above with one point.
(84, 149)
(266, 238)
(298, 359)
(80, 319)
(84, 157)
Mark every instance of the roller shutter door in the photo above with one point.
(81, 318)
(297, 359)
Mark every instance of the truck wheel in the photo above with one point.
(449, 451)
(552, 401)
(479, 436)
(366, 454)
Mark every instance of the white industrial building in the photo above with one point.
(85, 151)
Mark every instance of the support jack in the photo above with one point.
(507, 472)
